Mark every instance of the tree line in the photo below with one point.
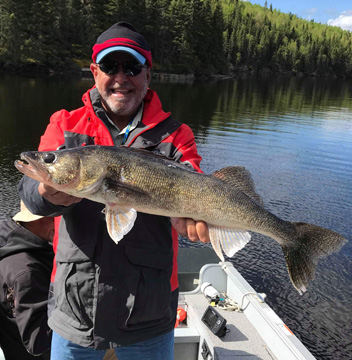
(199, 37)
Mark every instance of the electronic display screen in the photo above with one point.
(210, 318)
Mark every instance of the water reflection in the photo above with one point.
(293, 134)
(252, 101)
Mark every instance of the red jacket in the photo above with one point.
(85, 254)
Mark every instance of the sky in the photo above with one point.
(331, 12)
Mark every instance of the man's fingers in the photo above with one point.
(64, 200)
(202, 231)
(191, 230)
(179, 225)
(56, 197)
(197, 231)
(46, 190)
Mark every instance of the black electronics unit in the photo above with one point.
(214, 321)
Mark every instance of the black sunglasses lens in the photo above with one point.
(129, 68)
(109, 68)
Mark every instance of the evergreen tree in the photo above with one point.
(186, 36)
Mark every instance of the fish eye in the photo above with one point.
(49, 158)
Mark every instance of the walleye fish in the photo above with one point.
(130, 180)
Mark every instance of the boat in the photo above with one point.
(254, 331)
(250, 328)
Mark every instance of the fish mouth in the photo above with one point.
(24, 164)
(26, 167)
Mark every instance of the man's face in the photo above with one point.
(47, 228)
(121, 94)
(44, 228)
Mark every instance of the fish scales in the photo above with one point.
(129, 180)
(186, 193)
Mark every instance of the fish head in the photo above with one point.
(74, 171)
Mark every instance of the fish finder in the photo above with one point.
(214, 321)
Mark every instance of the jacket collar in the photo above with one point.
(152, 112)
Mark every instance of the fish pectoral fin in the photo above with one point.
(228, 241)
(119, 221)
(215, 241)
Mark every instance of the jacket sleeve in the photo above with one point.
(31, 299)
(53, 136)
(52, 139)
(35, 203)
(186, 147)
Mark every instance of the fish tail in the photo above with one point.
(312, 243)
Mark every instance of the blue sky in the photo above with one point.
(336, 13)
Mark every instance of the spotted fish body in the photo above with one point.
(129, 181)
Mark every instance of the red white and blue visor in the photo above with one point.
(140, 58)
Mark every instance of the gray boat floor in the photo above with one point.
(242, 340)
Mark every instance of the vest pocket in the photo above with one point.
(150, 292)
(73, 282)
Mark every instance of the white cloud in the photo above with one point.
(344, 21)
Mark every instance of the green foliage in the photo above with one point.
(186, 36)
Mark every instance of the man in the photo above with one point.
(26, 259)
(106, 295)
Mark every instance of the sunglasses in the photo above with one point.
(129, 68)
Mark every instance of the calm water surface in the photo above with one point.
(295, 137)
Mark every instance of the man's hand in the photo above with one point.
(57, 197)
(193, 230)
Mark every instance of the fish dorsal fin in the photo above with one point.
(239, 178)
(228, 241)
(119, 221)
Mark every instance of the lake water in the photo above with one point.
(293, 134)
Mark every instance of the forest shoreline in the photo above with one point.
(242, 72)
